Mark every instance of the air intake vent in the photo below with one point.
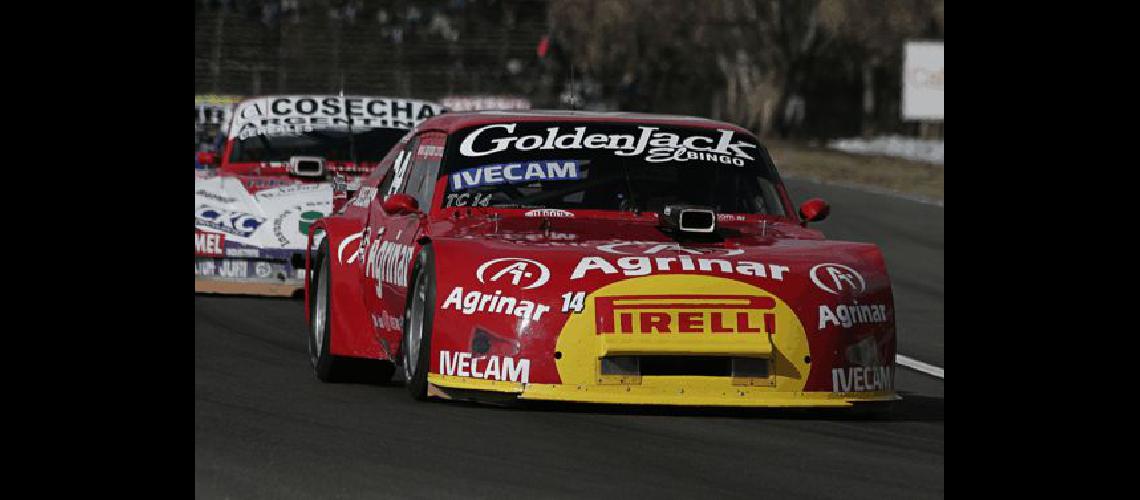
(307, 166)
(689, 218)
(697, 221)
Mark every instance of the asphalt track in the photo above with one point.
(264, 427)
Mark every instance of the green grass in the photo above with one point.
(799, 160)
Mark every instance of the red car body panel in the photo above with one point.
(821, 310)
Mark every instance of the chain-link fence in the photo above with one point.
(792, 68)
(424, 48)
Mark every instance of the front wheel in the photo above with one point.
(418, 316)
(320, 343)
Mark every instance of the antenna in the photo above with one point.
(351, 139)
(573, 94)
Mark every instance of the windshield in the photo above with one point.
(608, 166)
(370, 145)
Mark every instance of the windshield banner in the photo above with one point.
(284, 115)
(651, 143)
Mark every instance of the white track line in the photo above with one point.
(919, 365)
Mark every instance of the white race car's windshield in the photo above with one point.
(330, 144)
(608, 166)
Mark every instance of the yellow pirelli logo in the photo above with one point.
(685, 314)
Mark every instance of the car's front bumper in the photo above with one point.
(677, 391)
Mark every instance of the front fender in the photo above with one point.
(350, 324)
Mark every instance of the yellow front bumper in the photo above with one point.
(680, 391)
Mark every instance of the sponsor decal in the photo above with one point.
(307, 219)
(847, 316)
(523, 273)
(544, 238)
(363, 197)
(690, 314)
(278, 227)
(487, 367)
(296, 114)
(209, 244)
(238, 269)
(242, 252)
(360, 246)
(255, 183)
(468, 200)
(400, 166)
(862, 379)
(227, 221)
(641, 266)
(388, 263)
(430, 151)
(548, 212)
(835, 278)
(655, 145)
(515, 173)
(214, 196)
(385, 321)
(291, 189)
(223, 268)
(474, 301)
(685, 314)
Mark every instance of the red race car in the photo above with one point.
(597, 257)
(286, 161)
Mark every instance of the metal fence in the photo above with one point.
(423, 48)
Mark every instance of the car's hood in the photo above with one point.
(271, 219)
(593, 253)
(754, 239)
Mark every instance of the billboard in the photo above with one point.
(924, 77)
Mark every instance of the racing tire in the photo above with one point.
(418, 319)
(325, 365)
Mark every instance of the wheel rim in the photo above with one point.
(415, 328)
(320, 309)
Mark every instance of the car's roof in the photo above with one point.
(450, 122)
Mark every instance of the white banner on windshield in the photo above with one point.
(284, 115)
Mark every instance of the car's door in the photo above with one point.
(393, 237)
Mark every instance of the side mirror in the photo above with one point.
(400, 204)
(207, 158)
(814, 210)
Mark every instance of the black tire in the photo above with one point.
(320, 344)
(331, 368)
(423, 288)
